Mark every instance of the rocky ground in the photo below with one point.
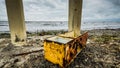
(102, 51)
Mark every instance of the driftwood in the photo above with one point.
(26, 53)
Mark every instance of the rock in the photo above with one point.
(95, 55)
(9, 47)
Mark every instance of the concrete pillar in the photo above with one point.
(16, 21)
(75, 14)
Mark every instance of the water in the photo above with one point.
(46, 25)
(33, 26)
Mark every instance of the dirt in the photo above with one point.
(102, 51)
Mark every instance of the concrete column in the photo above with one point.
(16, 21)
(75, 14)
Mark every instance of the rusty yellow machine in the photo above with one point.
(62, 49)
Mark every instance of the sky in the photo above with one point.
(57, 10)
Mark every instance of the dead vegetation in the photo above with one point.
(102, 51)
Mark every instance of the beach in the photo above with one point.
(60, 34)
(102, 50)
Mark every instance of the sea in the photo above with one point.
(33, 26)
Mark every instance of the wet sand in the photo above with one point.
(102, 51)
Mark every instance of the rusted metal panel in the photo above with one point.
(63, 50)
(74, 47)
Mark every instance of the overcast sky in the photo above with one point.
(42, 10)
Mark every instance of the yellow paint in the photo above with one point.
(61, 53)
(54, 52)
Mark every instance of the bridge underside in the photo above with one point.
(17, 22)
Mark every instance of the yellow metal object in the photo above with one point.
(62, 49)
(54, 52)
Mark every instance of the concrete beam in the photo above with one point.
(16, 21)
(75, 15)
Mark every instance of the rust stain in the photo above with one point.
(64, 54)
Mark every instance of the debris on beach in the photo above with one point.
(102, 51)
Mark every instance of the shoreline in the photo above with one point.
(6, 34)
(64, 30)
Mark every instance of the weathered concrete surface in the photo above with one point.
(16, 21)
(75, 15)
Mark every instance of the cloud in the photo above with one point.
(3, 13)
(46, 9)
(101, 9)
(58, 9)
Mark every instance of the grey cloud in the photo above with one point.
(114, 2)
(47, 9)
(101, 9)
(3, 13)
